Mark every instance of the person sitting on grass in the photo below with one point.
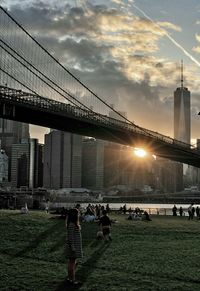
(145, 216)
(24, 210)
(89, 215)
(105, 225)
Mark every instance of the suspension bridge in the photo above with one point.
(36, 88)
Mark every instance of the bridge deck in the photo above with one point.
(30, 108)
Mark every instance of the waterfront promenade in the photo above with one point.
(151, 208)
(162, 254)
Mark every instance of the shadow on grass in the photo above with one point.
(65, 286)
(60, 243)
(86, 268)
(56, 228)
(15, 213)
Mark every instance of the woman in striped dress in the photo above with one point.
(74, 243)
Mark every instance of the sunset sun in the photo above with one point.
(140, 152)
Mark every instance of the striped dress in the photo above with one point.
(74, 242)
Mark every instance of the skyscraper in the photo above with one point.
(92, 163)
(182, 127)
(26, 164)
(169, 175)
(62, 160)
(12, 132)
(3, 167)
(20, 164)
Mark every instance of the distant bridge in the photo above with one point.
(29, 73)
(30, 108)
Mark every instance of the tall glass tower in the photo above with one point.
(12, 132)
(182, 123)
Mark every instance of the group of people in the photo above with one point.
(74, 239)
(139, 214)
(94, 212)
(175, 210)
(191, 211)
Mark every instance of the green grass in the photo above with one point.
(163, 254)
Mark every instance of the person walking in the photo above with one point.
(197, 212)
(190, 211)
(74, 244)
(105, 225)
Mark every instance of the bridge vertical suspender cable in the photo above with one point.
(81, 83)
(146, 131)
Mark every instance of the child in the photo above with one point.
(74, 244)
(105, 225)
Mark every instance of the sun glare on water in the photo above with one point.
(140, 152)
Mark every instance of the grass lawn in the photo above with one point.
(163, 254)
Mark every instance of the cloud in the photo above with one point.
(56, 21)
(114, 53)
(117, 2)
(169, 25)
(197, 48)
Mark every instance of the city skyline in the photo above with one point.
(128, 52)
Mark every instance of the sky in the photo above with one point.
(129, 52)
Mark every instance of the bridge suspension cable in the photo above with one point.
(41, 53)
(26, 63)
(34, 73)
(57, 62)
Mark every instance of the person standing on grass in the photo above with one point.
(74, 244)
(197, 212)
(181, 211)
(193, 211)
(190, 211)
(47, 206)
(174, 210)
(105, 225)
